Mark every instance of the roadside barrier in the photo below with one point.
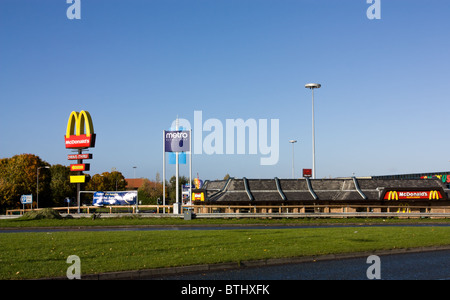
(273, 211)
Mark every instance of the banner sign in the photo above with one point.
(186, 192)
(177, 141)
(173, 158)
(408, 195)
(114, 198)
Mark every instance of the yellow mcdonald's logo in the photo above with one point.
(404, 208)
(77, 122)
(434, 195)
(393, 195)
(80, 130)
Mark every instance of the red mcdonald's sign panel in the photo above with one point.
(307, 172)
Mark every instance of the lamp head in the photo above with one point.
(312, 86)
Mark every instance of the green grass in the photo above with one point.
(36, 255)
(141, 221)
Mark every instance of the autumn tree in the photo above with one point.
(107, 181)
(171, 187)
(149, 192)
(18, 176)
(60, 185)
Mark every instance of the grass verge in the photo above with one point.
(36, 255)
(143, 221)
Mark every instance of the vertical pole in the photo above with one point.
(177, 174)
(80, 151)
(37, 190)
(293, 171)
(164, 171)
(137, 200)
(313, 141)
(190, 165)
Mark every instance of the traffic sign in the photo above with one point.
(26, 199)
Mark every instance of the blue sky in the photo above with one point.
(136, 65)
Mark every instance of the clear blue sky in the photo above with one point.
(135, 65)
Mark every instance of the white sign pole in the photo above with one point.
(164, 171)
(190, 166)
(177, 175)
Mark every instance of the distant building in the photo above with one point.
(134, 183)
(442, 176)
(328, 195)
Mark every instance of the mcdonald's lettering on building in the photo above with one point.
(409, 195)
(80, 131)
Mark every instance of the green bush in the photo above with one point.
(46, 213)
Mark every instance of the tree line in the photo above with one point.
(26, 174)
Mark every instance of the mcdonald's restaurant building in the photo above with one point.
(370, 194)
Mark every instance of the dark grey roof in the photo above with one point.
(342, 189)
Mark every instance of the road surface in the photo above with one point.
(434, 265)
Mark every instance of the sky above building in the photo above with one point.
(137, 65)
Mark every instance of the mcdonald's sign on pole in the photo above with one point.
(76, 135)
(79, 136)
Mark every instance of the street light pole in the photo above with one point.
(293, 171)
(313, 86)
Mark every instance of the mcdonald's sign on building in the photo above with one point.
(411, 195)
(76, 136)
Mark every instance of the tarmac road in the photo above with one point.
(433, 265)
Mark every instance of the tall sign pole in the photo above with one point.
(190, 165)
(313, 86)
(164, 171)
(177, 174)
(79, 136)
(176, 141)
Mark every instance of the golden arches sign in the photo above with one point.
(393, 195)
(434, 195)
(80, 130)
(77, 122)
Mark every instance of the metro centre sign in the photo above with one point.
(177, 141)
